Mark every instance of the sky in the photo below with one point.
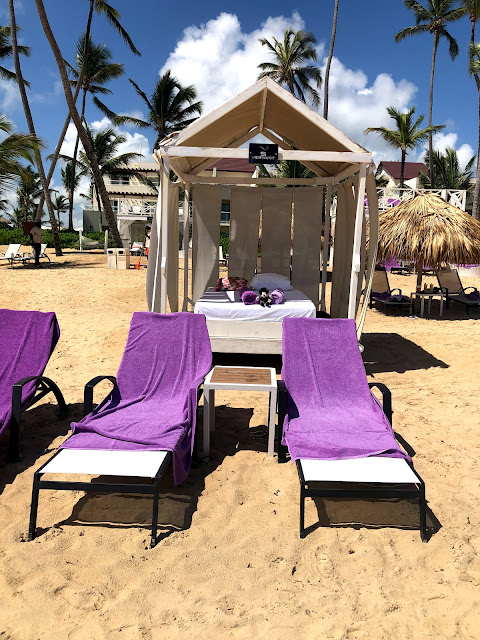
(215, 46)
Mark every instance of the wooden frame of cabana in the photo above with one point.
(342, 168)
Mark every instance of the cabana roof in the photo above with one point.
(264, 108)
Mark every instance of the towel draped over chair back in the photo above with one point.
(331, 412)
(153, 405)
(28, 338)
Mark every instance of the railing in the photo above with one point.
(137, 207)
(389, 197)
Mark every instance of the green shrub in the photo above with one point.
(224, 239)
(68, 239)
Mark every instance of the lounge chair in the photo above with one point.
(30, 255)
(222, 259)
(451, 285)
(12, 253)
(382, 293)
(332, 424)
(146, 421)
(28, 338)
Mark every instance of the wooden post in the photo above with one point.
(186, 240)
(165, 190)
(105, 242)
(419, 271)
(326, 247)
(357, 241)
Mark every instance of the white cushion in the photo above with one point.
(270, 281)
(371, 469)
(141, 464)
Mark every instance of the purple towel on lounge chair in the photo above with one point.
(473, 295)
(384, 295)
(249, 297)
(27, 340)
(153, 405)
(277, 296)
(331, 413)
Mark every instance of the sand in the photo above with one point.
(229, 563)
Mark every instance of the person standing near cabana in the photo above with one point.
(36, 238)
(148, 231)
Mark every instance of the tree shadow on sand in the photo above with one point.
(386, 352)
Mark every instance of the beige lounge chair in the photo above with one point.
(12, 253)
(451, 285)
(382, 293)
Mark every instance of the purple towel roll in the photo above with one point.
(249, 297)
(277, 296)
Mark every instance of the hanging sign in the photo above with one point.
(262, 153)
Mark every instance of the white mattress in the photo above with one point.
(227, 305)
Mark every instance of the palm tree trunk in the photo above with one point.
(56, 153)
(402, 169)
(419, 271)
(329, 62)
(75, 152)
(430, 113)
(112, 223)
(31, 128)
(476, 193)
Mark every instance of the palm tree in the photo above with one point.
(105, 144)
(60, 204)
(113, 18)
(447, 171)
(6, 51)
(474, 69)
(288, 67)
(112, 223)
(433, 19)
(407, 135)
(329, 61)
(13, 149)
(287, 169)
(171, 107)
(28, 192)
(95, 70)
(31, 129)
(15, 216)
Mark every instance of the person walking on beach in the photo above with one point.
(148, 232)
(36, 238)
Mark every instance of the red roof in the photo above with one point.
(233, 164)
(412, 169)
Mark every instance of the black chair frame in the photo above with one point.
(43, 387)
(100, 487)
(415, 491)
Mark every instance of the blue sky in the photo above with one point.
(215, 46)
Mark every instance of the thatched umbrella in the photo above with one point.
(428, 230)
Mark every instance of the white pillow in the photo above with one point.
(270, 281)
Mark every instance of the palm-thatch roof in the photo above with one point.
(429, 230)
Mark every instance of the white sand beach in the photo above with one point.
(229, 563)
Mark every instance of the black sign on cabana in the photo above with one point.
(262, 153)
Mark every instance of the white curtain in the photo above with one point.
(307, 240)
(245, 204)
(276, 230)
(207, 204)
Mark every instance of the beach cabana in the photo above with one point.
(289, 221)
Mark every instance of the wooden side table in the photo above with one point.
(238, 379)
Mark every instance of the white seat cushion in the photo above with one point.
(141, 464)
(373, 469)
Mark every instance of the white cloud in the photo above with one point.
(220, 59)
(441, 141)
(9, 96)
